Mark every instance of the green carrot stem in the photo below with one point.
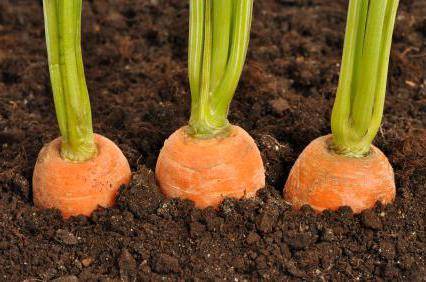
(195, 52)
(71, 98)
(199, 122)
(358, 108)
(240, 38)
(379, 102)
(363, 100)
(222, 16)
(218, 42)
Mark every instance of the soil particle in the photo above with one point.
(371, 220)
(252, 238)
(387, 250)
(291, 268)
(87, 261)
(68, 278)
(266, 221)
(127, 266)
(328, 235)
(279, 105)
(163, 263)
(196, 229)
(65, 237)
(299, 240)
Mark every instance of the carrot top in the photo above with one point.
(63, 39)
(358, 108)
(219, 34)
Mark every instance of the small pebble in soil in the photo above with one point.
(65, 237)
(87, 261)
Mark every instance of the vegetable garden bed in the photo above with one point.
(136, 65)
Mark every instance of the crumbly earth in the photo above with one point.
(135, 57)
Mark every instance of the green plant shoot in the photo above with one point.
(358, 108)
(63, 39)
(219, 32)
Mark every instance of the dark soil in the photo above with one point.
(135, 56)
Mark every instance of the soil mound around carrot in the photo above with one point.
(135, 57)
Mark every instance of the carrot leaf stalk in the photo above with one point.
(71, 98)
(219, 34)
(358, 108)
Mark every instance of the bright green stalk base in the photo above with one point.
(63, 38)
(358, 108)
(219, 33)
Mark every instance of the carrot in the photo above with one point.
(345, 169)
(210, 159)
(206, 170)
(80, 170)
(79, 187)
(326, 180)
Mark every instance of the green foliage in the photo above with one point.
(63, 39)
(358, 108)
(219, 33)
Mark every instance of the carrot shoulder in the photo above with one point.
(325, 180)
(208, 170)
(78, 188)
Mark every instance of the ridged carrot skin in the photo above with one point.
(78, 188)
(326, 180)
(208, 170)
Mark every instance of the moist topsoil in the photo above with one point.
(135, 57)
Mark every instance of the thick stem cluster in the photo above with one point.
(358, 108)
(219, 33)
(72, 104)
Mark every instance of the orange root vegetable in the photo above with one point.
(208, 170)
(78, 188)
(325, 180)
(211, 159)
(345, 169)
